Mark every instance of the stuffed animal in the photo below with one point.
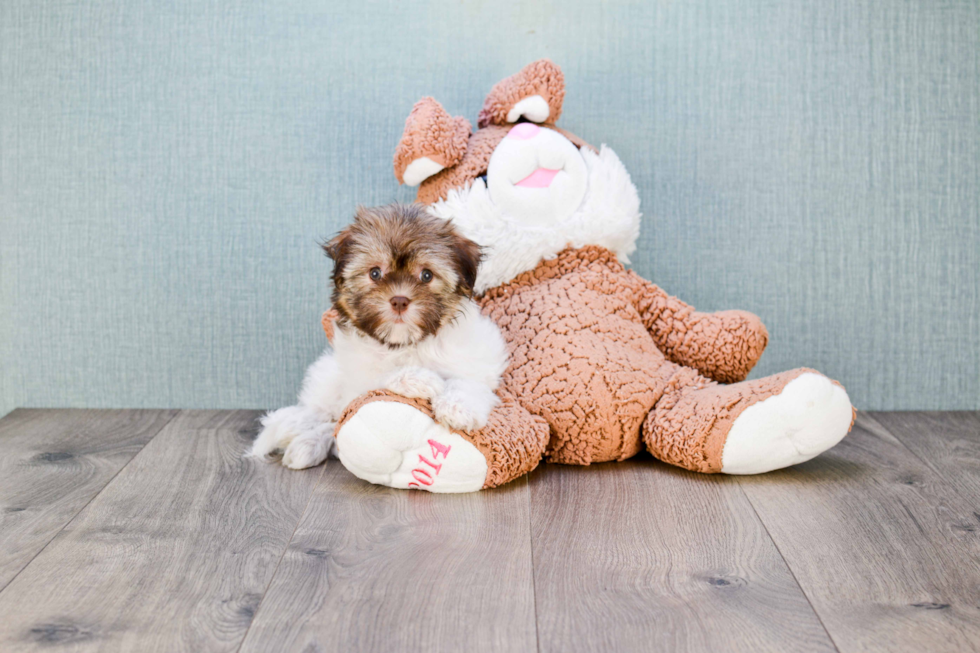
(603, 363)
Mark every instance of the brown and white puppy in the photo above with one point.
(400, 274)
(403, 281)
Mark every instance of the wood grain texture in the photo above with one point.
(375, 569)
(174, 554)
(949, 443)
(191, 547)
(875, 538)
(642, 556)
(52, 462)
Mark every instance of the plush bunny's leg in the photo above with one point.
(749, 427)
(395, 441)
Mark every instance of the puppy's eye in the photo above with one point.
(375, 274)
(426, 276)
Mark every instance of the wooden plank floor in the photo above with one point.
(147, 531)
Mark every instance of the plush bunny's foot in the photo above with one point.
(394, 444)
(809, 416)
(749, 427)
(392, 440)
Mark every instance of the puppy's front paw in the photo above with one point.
(456, 414)
(416, 383)
(464, 405)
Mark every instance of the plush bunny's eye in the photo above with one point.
(426, 276)
(375, 274)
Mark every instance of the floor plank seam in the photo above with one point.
(285, 549)
(87, 503)
(910, 450)
(534, 587)
(941, 476)
(925, 462)
(788, 567)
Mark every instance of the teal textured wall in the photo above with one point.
(167, 167)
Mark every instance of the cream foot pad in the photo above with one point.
(394, 444)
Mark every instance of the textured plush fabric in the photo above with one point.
(689, 426)
(580, 356)
(474, 162)
(166, 170)
(594, 348)
(541, 78)
(433, 133)
(512, 442)
(723, 346)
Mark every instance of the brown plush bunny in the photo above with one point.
(602, 362)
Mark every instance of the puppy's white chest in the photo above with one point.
(364, 364)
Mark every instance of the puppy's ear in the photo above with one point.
(338, 249)
(334, 248)
(468, 257)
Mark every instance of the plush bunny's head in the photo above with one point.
(520, 186)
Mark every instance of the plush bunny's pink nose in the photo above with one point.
(523, 131)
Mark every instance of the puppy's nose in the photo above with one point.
(399, 303)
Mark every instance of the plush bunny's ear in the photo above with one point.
(536, 93)
(432, 140)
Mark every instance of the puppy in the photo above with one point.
(402, 288)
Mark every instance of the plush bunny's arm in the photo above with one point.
(723, 346)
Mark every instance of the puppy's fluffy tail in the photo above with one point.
(275, 435)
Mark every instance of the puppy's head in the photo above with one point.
(400, 273)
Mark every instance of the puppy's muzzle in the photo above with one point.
(399, 304)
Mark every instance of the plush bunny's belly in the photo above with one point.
(580, 355)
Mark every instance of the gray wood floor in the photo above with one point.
(147, 531)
